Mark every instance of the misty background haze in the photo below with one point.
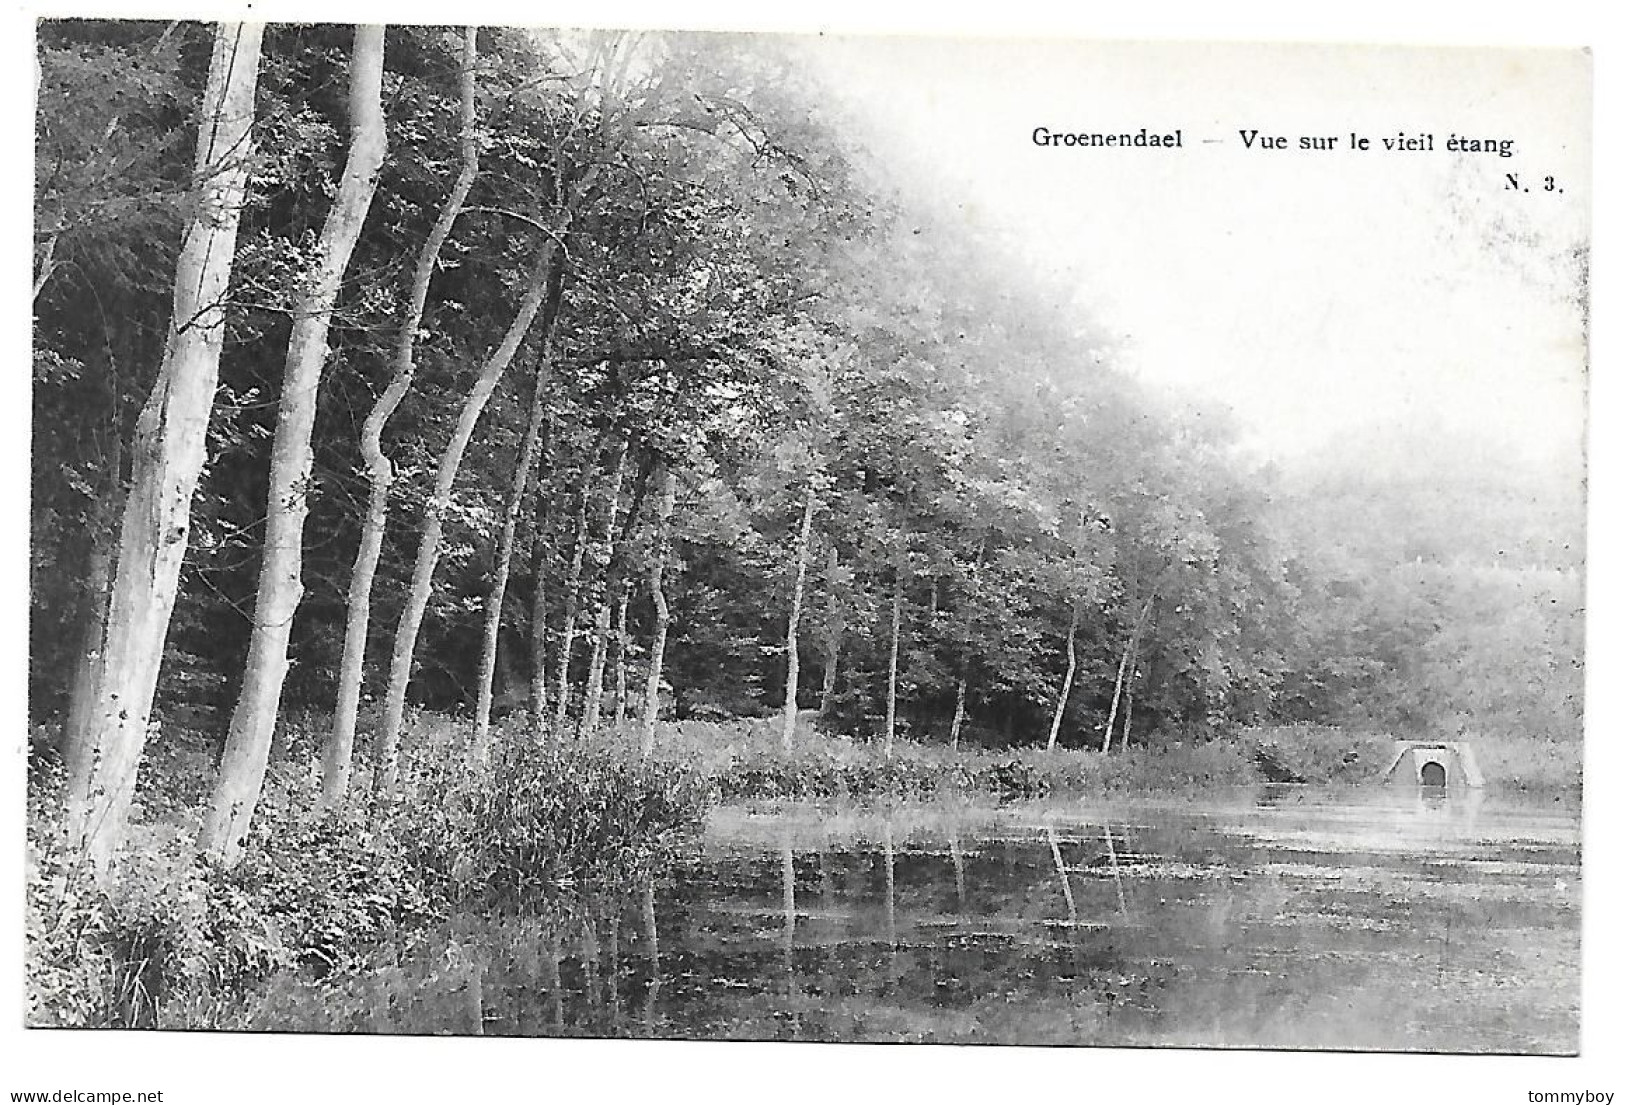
(1344, 303)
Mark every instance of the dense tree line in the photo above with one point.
(599, 376)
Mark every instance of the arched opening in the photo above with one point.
(1433, 774)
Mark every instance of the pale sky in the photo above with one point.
(1311, 292)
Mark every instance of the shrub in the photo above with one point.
(1015, 779)
(537, 817)
(178, 943)
(1322, 753)
(119, 959)
(329, 888)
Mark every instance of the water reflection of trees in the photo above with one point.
(1053, 932)
(896, 928)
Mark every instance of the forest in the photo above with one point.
(553, 423)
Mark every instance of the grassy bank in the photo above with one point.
(1511, 763)
(744, 759)
(179, 943)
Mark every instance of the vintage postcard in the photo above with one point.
(670, 534)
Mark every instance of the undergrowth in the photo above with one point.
(177, 942)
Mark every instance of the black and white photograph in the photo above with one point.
(547, 530)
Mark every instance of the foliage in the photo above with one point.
(542, 816)
(745, 762)
(1323, 754)
(178, 943)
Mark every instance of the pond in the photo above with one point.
(1385, 918)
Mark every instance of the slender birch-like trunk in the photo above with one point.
(593, 693)
(620, 655)
(1122, 668)
(831, 637)
(572, 599)
(166, 459)
(339, 749)
(832, 661)
(538, 613)
(1128, 706)
(1071, 672)
(959, 714)
(891, 664)
(1128, 692)
(486, 677)
(792, 635)
(431, 532)
(592, 697)
(665, 503)
(964, 677)
(281, 587)
(538, 599)
(77, 729)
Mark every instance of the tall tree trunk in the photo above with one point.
(665, 504)
(1122, 668)
(77, 730)
(248, 742)
(592, 700)
(891, 664)
(166, 458)
(340, 746)
(792, 634)
(1128, 690)
(831, 635)
(572, 597)
(428, 555)
(538, 611)
(959, 714)
(832, 661)
(510, 523)
(1071, 672)
(620, 654)
(964, 664)
(1128, 703)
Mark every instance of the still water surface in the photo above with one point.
(1292, 917)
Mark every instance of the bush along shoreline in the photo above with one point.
(744, 760)
(535, 826)
(179, 943)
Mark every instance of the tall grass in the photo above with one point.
(1528, 763)
(178, 942)
(744, 759)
